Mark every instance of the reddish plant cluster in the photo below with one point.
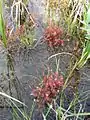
(50, 88)
(52, 36)
(19, 31)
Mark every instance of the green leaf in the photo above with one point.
(2, 26)
(85, 55)
(88, 16)
(86, 49)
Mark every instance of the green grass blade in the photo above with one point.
(2, 26)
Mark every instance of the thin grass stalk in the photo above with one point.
(70, 74)
(24, 116)
(80, 114)
(32, 109)
(11, 98)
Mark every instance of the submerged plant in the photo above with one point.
(51, 86)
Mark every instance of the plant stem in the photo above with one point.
(70, 74)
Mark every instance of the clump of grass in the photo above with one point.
(24, 23)
(28, 36)
(86, 47)
(75, 13)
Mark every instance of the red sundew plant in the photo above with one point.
(13, 35)
(52, 36)
(51, 86)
